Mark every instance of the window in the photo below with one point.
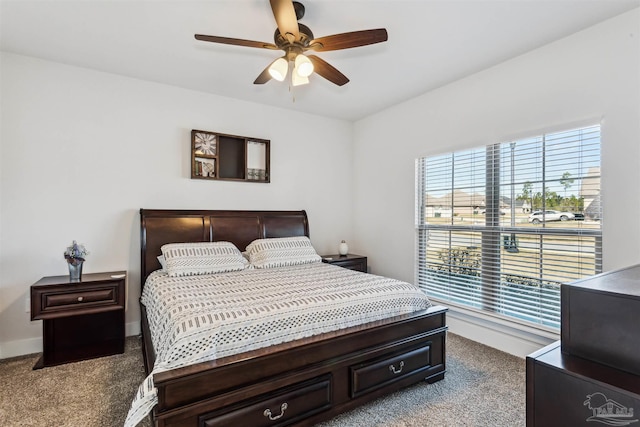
(501, 227)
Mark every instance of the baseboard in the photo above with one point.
(132, 328)
(20, 347)
(510, 339)
(34, 345)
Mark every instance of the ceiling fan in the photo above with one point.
(295, 39)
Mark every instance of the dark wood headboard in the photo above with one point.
(159, 227)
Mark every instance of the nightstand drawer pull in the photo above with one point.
(393, 368)
(283, 407)
(80, 299)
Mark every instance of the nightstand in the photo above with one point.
(80, 320)
(350, 261)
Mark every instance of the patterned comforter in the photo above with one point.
(198, 318)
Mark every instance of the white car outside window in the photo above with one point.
(550, 215)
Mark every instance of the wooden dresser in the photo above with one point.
(567, 391)
(591, 376)
(601, 319)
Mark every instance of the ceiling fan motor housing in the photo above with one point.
(293, 49)
(299, 8)
(305, 37)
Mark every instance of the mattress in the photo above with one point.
(198, 318)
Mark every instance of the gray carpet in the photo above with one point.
(482, 387)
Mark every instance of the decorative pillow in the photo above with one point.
(281, 251)
(189, 259)
(162, 262)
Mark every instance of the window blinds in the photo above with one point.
(500, 228)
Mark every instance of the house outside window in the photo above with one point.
(500, 228)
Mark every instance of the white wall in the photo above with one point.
(83, 151)
(590, 77)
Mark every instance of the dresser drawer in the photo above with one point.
(369, 376)
(50, 301)
(280, 408)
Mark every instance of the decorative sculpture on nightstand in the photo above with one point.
(75, 256)
(343, 249)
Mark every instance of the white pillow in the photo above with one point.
(162, 262)
(189, 259)
(281, 251)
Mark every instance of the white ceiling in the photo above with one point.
(431, 43)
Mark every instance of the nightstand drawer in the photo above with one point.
(352, 264)
(85, 298)
(58, 300)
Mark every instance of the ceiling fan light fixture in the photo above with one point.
(298, 80)
(303, 66)
(278, 70)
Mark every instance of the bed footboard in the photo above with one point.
(306, 381)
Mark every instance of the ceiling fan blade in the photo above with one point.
(349, 40)
(235, 42)
(285, 15)
(328, 71)
(263, 77)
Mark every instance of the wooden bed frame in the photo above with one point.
(301, 382)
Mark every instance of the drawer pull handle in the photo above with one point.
(283, 407)
(393, 368)
(80, 299)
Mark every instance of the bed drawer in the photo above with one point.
(279, 408)
(372, 375)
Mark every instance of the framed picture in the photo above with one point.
(218, 156)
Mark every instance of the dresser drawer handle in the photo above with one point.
(393, 368)
(283, 407)
(80, 299)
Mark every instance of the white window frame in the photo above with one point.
(492, 231)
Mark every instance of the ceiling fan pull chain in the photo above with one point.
(292, 91)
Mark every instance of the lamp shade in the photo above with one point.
(303, 66)
(297, 80)
(278, 70)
